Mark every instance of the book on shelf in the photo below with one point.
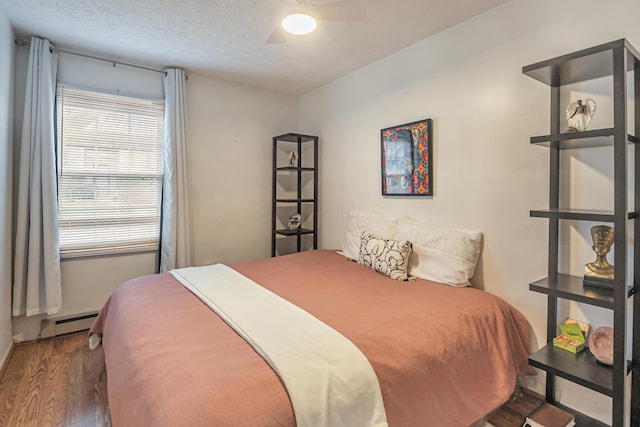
(572, 335)
(548, 415)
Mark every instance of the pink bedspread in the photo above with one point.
(444, 356)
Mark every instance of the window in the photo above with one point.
(110, 164)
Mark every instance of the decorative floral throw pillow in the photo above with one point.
(386, 256)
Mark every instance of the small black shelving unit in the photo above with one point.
(283, 145)
(619, 60)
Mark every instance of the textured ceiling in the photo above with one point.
(226, 38)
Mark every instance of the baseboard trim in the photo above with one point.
(4, 362)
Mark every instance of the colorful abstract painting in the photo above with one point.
(406, 159)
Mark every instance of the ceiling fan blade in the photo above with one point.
(345, 10)
(277, 36)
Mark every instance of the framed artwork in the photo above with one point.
(406, 159)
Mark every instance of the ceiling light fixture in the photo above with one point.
(299, 24)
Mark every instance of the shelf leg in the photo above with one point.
(554, 202)
(635, 358)
(620, 237)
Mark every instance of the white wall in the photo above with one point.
(487, 176)
(229, 130)
(6, 129)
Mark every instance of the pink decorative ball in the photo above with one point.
(601, 344)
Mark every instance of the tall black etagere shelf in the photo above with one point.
(294, 142)
(619, 60)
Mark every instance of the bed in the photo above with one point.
(443, 355)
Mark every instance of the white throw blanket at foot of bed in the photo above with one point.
(329, 381)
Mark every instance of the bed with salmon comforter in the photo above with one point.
(443, 355)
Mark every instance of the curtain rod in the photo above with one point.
(22, 42)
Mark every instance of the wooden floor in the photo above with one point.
(59, 382)
(54, 382)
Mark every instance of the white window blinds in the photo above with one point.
(110, 164)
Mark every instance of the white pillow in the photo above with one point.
(359, 222)
(441, 254)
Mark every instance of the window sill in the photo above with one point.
(107, 251)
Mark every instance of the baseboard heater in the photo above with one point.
(55, 326)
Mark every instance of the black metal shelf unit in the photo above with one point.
(295, 142)
(619, 60)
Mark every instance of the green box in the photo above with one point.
(571, 337)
